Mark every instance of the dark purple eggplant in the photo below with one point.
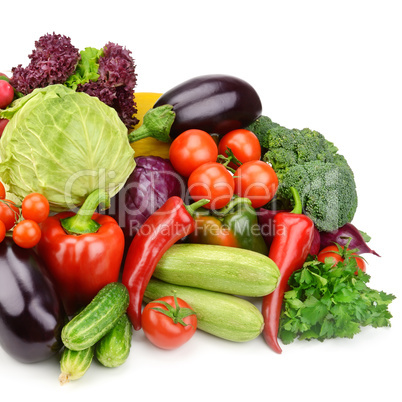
(31, 314)
(213, 103)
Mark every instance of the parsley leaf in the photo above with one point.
(326, 301)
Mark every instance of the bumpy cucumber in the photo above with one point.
(97, 318)
(74, 364)
(225, 316)
(219, 268)
(113, 349)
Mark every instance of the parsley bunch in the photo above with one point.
(326, 301)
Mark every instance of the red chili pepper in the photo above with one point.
(290, 247)
(161, 230)
(82, 252)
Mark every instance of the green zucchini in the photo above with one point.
(113, 349)
(219, 268)
(74, 364)
(97, 318)
(223, 315)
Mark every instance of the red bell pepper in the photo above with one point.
(162, 229)
(294, 233)
(82, 252)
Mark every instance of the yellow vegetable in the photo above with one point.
(148, 146)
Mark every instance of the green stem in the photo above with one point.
(298, 206)
(195, 205)
(82, 221)
(225, 160)
(156, 123)
(232, 204)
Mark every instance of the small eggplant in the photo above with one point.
(31, 314)
(214, 103)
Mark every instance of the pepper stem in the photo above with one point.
(298, 207)
(82, 221)
(232, 204)
(156, 123)
(195, 205)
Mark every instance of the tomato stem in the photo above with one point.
(177, 313)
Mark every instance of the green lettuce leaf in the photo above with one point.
(87, 68)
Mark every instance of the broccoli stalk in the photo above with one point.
(306, 160)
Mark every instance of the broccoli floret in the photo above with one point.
(327, 191)
(260, 127)
(306, 160)
(293, 147)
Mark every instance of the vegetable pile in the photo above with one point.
(180, 212)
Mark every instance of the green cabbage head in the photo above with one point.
(64, 145)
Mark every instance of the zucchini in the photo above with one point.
(97, 318)
(113, 349)
(223, 315)
(74, 364)
(219, 268)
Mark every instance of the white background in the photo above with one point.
(332, 66)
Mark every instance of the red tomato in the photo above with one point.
(26, 233)
(190, 150)
(161, 329)
(35, 206)
(257, 181)
(2, 231)
(332, 252)
(213, 182)
(3, 123)
(2, 191)
(9, 213)
(6, 94)
(243, 143)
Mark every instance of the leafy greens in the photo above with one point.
(326, 301)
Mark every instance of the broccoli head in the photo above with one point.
(327, 191)
(306, 160)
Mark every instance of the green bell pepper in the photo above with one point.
(235, 225)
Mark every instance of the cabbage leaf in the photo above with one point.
(64, 145)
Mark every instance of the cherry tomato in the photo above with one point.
(9, 213)
(26, 233)
(2, 191)
(3, 123)
(166, 331)
(35, 206)
(333, 253)
(6, 94)
(244, 145)
(2, 231)
(257, 181)
(213, 182)
(191, 149)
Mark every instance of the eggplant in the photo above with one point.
(31, 313)
(214, 103)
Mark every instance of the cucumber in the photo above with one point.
(74, 364)
(223, 315)
(113, 349)
(219, 268)
(97, 318)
